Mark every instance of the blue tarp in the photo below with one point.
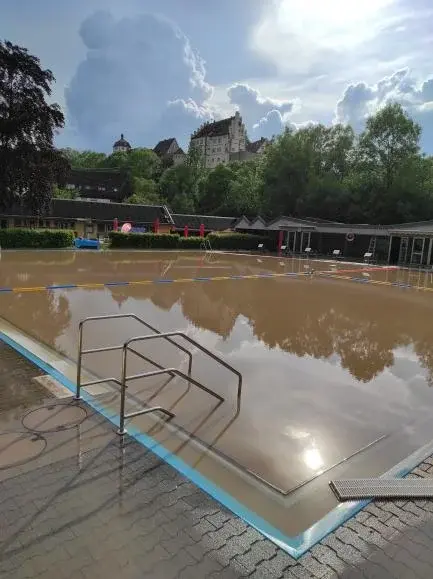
(81, 243)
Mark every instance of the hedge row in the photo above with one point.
(232, 241)
(36, 238)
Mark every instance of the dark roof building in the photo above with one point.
(257, 146)
(210, 222)
(169, 152)
(166, 147)
(215, 129)
(68, 209)
(113, 185)
(121, 145)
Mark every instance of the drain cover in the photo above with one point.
(368, 488)
(54, 417)
(19, 447)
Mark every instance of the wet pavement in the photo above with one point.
(89, 506)
(330, 368)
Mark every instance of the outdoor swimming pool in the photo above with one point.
(336, 374)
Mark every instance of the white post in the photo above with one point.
(389, 250)
(294, 241)
(302, 242)
(422, 250)
(430, 247)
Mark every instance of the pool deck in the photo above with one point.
(89, 506)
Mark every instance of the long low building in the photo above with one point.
(406, 243)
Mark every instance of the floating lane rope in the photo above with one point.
(331, 274)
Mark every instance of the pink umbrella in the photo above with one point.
(126, 228)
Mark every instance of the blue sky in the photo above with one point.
(154, 69)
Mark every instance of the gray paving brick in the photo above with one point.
(313, 566)
(65, 522)
(299, 572)
(231, 549)
(218, 519)
(277, 565)
(328, 557)
(345, 552)
(385, 531)
(380, 514)
(367, 534)
(349, 537)
(417, 511)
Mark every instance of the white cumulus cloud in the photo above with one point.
(361, 100)
(264, 116)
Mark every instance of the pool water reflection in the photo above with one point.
(329, 366)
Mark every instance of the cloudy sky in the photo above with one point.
(154, 69)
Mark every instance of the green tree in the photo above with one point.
(145, 192)
(176, 185)
(61, 193)
(180, 184)
(142, 163)
(84, 159)
(287, 174)
(215, 197)
(246, 189)
(390, 179)
(29, 164)
(390, 140)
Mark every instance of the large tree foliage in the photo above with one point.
(141, 162)
(84, 159)
(29, 164)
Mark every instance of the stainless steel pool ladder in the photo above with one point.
(126, 347)
(206, 245)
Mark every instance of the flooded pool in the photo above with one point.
(336, 375)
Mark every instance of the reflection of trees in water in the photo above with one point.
(305, 319)
(424, 349)
(44, 315)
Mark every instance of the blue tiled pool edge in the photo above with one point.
(294, 546)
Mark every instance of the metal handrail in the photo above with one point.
(125, 379)
(196, 344)
(206, 245)
(126, 347)
(112, 348)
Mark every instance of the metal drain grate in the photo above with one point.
(370, 488)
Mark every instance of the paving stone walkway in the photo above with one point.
(91, 507)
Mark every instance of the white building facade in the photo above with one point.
(217, 141)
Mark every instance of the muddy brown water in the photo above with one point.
(329, 366)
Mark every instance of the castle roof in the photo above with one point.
(163, 147)
(122, 142)
(215, 129)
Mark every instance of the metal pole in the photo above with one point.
(389, 249)
(422, 250)
(430, 247)
(122, 429)
(302, 242)
(80, 347)
(413, 247)
(294, 242)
